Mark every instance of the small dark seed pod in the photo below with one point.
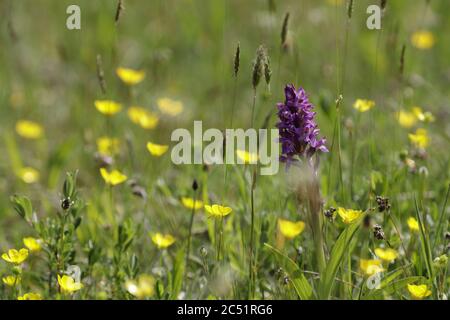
(194, 185)
(378, 232)
(66, 204)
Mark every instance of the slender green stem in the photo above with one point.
(438, 235)
(191, 224)
(252, 222)
(252, 239)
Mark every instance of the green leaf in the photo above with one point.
(299, 281)
(23, 206)
(178, 273)
(425, 242)
(383, 284)
(392, 287)
(69, 184)
(337, 253)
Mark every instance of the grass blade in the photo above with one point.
(299, 281)
(336, 257)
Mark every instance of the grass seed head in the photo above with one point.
(120, 9)
(237, 58)
(267, 70)
(402, 60)
(101, 74)
(284, 29)
(350, 9)
(258, 66)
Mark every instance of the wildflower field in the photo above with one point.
(95, 203)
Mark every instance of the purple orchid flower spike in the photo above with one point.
(298, 129)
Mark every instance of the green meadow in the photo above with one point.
(92, 205)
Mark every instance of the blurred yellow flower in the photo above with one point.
(423, 116)
(363, 105)
(107, 107)
(29, 129)
(114, 177)
(387, 254)
(34, 245)
(423, 39)
(370, 266)
(142, 117)
(163, 241)
(141, 288)
(217, 211)
(349, 215)
(189, 203)
(413, 224)
(30, 296)
(29, 175)
(108, 146)
(68, 284)
(11, 281)
(290, 229)
(418, 292)
(169, 106)
(406, 119)
(14, 256)
(129, 76)
(247, 157)
(156, 150)
(420, 138)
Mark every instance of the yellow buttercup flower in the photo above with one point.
(114, 177)
(363, 105)
(406, 119)
(413, 224)
(11, 281)
(29, 129)
(370, 266)
(30, 296)
(34, 245)
(129, 76)
(68, 284)
(29, 175)
(142, 117)
(15, 256)
(290, 229)
(189, 203)
(349, 215)
(163, 241)
(217, 210)
(107, 107)
(418, 292)
(108, 146)
(156, 150)
(169, 106)
(388, 254)
(141, 288)
(247, 157)
(420, 138)
(423, 39)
